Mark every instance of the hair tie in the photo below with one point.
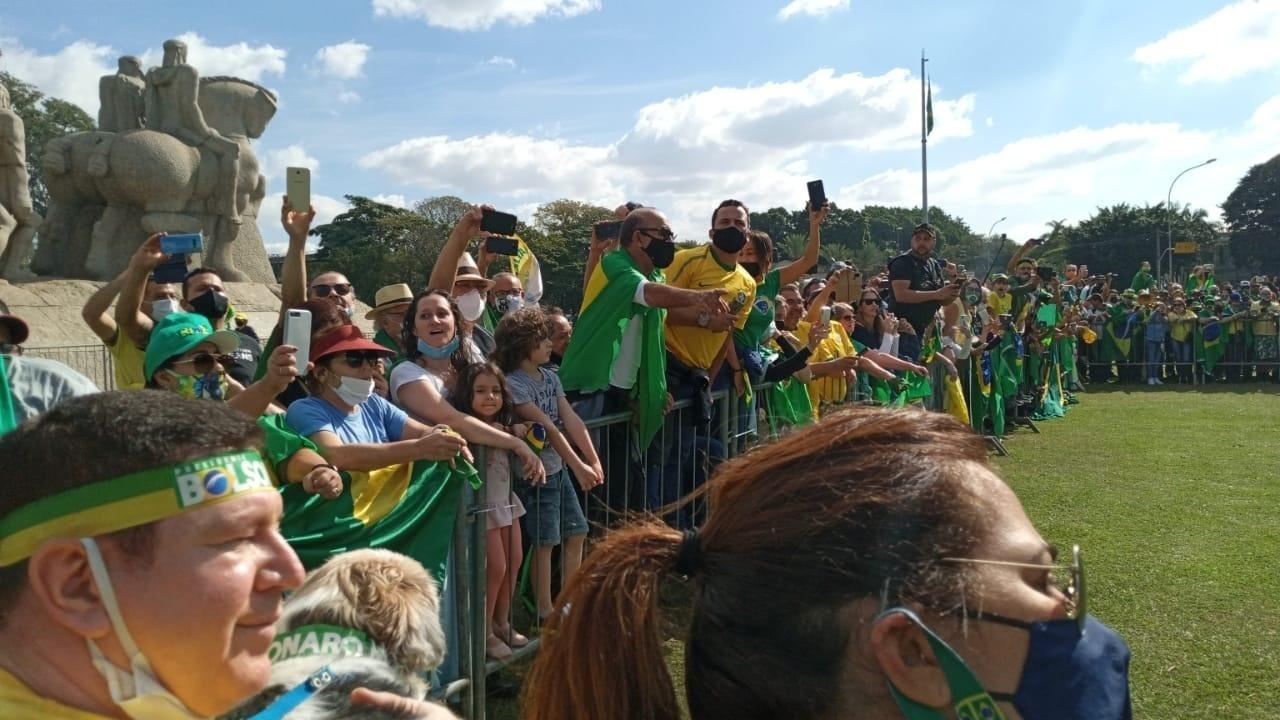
(688, 555)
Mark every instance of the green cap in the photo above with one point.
(177, 333)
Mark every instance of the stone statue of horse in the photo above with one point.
(154, 180)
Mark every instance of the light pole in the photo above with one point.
(994, 224)
(996, 255)
(1168, 207)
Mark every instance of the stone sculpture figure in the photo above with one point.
(18, 218)
(109, 189)
(173, 107)
(122, 97)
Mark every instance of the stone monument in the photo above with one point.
(171, 154)
(18, 219)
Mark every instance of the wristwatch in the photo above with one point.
(704, 319)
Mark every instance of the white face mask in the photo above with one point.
(137, 691)
(471, 305)
(163, 307)
(354, 391)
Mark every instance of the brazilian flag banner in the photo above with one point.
(8, 415)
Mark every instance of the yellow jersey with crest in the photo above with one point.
(699, 269)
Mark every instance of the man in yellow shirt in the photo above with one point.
(1000, 300)
(158, 300)
(1264, 317)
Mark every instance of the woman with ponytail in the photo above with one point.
(871, 567)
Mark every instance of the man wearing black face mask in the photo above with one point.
(202, 293)
(616, 358)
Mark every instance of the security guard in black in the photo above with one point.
(918, 280)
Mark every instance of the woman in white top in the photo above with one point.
(422, 384)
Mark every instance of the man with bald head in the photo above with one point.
(616, 358)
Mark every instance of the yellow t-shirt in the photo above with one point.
(18, 702)
(1000, 305)
(127, 359)
(699, 269)
(1182, 325)
(833, 388)
(1265, 322)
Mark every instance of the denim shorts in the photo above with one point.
(554, 512)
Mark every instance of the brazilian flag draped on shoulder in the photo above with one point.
(1209, 341)
(408, 508)
(607, 306)
(1046, 367)
(786, 404)
(8, 411)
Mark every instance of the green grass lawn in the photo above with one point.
(1173, 495)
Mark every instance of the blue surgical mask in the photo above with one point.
(439, 353)
(1073, 671)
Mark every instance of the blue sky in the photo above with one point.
(1044, 111)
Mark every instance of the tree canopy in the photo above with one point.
(1252, 216)
(44, 118)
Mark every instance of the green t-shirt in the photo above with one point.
(752, 333)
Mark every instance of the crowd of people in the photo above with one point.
(371, 438)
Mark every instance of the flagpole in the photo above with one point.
(924, 141)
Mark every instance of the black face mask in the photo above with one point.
(661, 253)
(752, 268)
(212, 305)
(728, 239)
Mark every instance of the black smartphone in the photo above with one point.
(1045, 273)
(817, 195)
(1035, 241)
(173, 270)
(608, 229)
(499, 223)
(500, 245)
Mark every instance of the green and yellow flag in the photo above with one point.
(8, 413)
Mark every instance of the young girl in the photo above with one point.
(523, 341)
(482, 393)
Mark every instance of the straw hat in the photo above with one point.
(388, 297)
(469, 270)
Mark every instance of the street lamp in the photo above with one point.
(995, 257)
(994, 224)
(1168, 207)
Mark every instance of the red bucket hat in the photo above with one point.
(344, 339)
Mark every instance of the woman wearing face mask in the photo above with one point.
(424, 383)
(354, 428)
(887, 573)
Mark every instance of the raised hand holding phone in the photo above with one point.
(298, 188)
(297, 333)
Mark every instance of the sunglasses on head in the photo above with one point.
(356, 358)
(203, 362)
(341, 289)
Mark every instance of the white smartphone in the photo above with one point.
(297, 332)
(298, 188)
(824, 315)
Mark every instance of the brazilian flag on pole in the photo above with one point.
(524, 265)
(928, 111)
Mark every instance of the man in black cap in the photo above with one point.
(918, 281)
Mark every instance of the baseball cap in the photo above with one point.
(925, 228)
(178, 333)
(344, 338)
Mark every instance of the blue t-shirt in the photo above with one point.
(545, 393)
(375, 421)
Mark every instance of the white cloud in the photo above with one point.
(480, 14)
(394, 200)
(327, 208)
(272, 163)
(990, 122)
(816, 8)
(686, 154)
(500, 61)
(70, 74)
(1238, 39)
(344, 61)
(348, 96)
(242, 60)
(273, 237)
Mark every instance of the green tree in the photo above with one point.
(1120, 237)
(560, 236)
(1252, 215)
(375, 244)
(44, 118)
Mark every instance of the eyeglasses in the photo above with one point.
(845, 318)
(203, 363)
(341, 289)
(664, 234)
(1068, 577)
(356, 358)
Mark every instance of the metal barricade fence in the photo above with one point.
(92, 361)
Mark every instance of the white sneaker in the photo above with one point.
(1158, 381)
(1151, 381)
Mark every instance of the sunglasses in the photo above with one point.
(356, 358)
(1067, 576)
(203, 363)
(664, 234)
(845, 318)
(870, 301)
(341, 289)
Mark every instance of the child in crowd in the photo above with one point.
(1157, 331)
(1000, 301)
(523, 340)
(482, 393)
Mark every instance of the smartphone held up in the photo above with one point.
(498, 223)
(298, 188)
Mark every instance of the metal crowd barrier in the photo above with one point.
(92, 361)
